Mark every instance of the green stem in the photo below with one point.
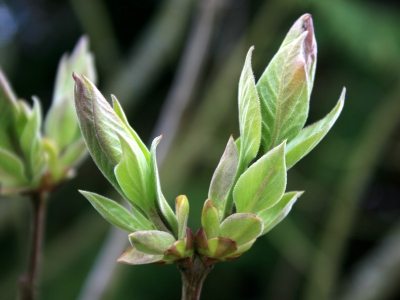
(193, 277)
(29, 281)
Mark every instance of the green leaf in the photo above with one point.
(61, 124)
(311, 135)
(167, 215)
(73, 154)
(115, 213)
(224, 175)
(152, 242)
(263, 184)
(182, 214)
(119, 111)
(210, 220)
(87, 96)
(249, 114)
(12, 172)
(284, 95)
(241, 228)
(220, 247)
(132, 256)
(133, 175)
(244, 247)
(8, 103)
(30, 141)
(279, 211)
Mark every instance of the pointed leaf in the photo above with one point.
(263, 184)
(224, 175)
(279, 211)
(152, 242)
(115, 213)
(167, 214)
(284, 95)
(249, 113)
(182, 214)
(119, 111)
(241, 228)
(61, 124)
(310, 136)
(87, 96)
(210, 220)
(12, 172)
(132, 256)
(133, 175)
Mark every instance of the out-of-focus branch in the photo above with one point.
(324, 273)
(148, 58)
(377, 276)
(189, 70)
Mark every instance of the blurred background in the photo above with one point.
(175, 66)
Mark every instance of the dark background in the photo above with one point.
(341, 240)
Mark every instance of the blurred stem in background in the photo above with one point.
(324, 272)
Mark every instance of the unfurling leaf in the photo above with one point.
(210, 220)
(161, 205)
(224, 175)
(182, 214)
(115, 213)
(241, 228)
(152, 242)
(249, 114)
(12, 172)
(285, 86)
(263, 184)
(311, 135)
(61, 124)
(132, 256)
(272, 216)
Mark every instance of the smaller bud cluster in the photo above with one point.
(30, 159)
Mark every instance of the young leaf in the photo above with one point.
(249, 114)
(220, 247)
(115, 213)
(86, 97)
(132, 256)
(8, 104)
(285, 86)
(224, 175)
(119, 111)
(241, 228)
(310, 136)
(279, 211)
(12, 172)
(167, 214)
(73, 154)
(61, 124)
(263, 184)
(210, 220)
(152, 242)
(182, 214)
(133, 175)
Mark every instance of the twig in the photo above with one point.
(29, 281)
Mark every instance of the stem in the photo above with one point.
(193, 278)
(28, 282)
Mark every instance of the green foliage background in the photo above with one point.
(352, 179)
